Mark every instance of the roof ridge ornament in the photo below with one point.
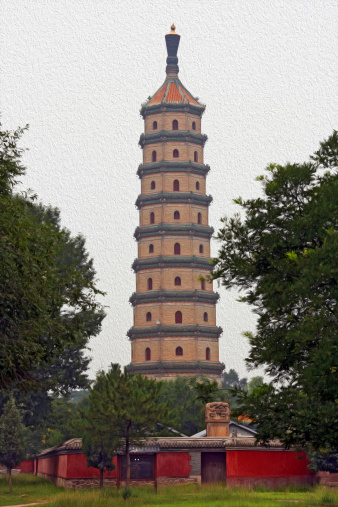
(172, 41)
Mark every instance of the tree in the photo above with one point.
(48, 305)
(12, 448)
(126, 408)
(283, 255)
(206, 391)
(253, 383)
(100, 440)
(187, 412)
(232, 379)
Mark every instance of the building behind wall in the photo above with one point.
(234, 458)
(174, 331)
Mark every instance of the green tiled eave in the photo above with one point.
(193, 367)
(163, 229)
(171, 107)
(172, 197)
(174, 261)
(172, 167)
(179, 136)
(175, 330)
(162, 296)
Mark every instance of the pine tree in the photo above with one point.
(123, 409)
(100, 442)
(231, 379)
(12, 448)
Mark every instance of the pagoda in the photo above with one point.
(174, 332)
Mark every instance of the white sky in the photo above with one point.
(78, 71)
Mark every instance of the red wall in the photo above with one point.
(27, 466)
(55, 465)
(77, 468)
(70, 466)
(267, 464)
(173, 464)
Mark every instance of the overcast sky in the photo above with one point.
(78, 70)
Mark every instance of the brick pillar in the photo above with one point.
(217, 417)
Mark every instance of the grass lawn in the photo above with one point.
(27, 489)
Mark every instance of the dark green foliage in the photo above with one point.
(188, 412)
(78, 395)
(126, 493)
(10, 155)
(188, 397)
(229, 381)
(206, 390)
(253, 383)
(48, 306)
(283, 256)
(232, 379)
(100, 441)
(12, 448)
(46, 418)
(122, 409)
(323, 461)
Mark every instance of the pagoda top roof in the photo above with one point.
(172, 94)
(172, 91)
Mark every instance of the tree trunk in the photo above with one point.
(10, 479)
(118, 473)
(101, 478)
(128, 464)
(128, 457)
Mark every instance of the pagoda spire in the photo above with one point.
(172, 41)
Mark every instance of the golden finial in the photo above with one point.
(173, 28)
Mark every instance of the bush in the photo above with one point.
(126, 493)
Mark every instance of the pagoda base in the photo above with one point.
(169, 370)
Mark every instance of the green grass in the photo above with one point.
(191, 495)
(26, 489)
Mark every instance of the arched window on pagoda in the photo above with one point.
(207, 354)
(176, 215)
(150, 284)
(197, 185)
(148, 317)
(203, 285)
(151, 248)
(178, 318)
(179, 351)
(152, 217)
(175, 125)
(201, 249)
(148, 354)
(199, 218)
(177, 280)
(152, 185)
(176, 186)
(153, 156)
(194, 125)
(175, 153)
(205, 317)
(154, 125)
(195, 156)
(177, 249)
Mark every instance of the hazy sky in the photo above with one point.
(78, 71)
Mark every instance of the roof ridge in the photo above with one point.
(167, 90)
(185, 100)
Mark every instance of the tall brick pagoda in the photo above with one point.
(174, 330)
